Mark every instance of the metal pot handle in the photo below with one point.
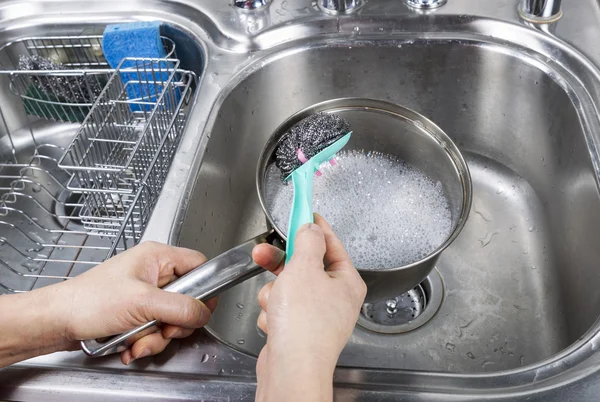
(202, 283)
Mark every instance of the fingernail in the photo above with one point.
(174, 334)
(205, 311)
(312, 226)
(145, 352)
(280, 255)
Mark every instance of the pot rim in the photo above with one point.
(379, 106)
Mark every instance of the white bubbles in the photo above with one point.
(387, 213)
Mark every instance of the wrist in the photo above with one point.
(38, 326)
(297, 374)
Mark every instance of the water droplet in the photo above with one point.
(195, 346)
(522, 360)
(241, 341)
(204, 358)
(222, 371)
(240, 305)
(356, 29)
(531, 228)
(487, 239)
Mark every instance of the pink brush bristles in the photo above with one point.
(302, 158)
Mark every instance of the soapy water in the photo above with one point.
(387, 213)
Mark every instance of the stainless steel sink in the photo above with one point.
(519, 283)
(519, 288)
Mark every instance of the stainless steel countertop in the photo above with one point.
(200, 368)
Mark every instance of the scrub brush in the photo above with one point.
(301, 150)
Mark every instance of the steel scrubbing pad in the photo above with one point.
(300, 152)
(139, 40)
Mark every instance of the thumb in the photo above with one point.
(309, 248)
(177, 309)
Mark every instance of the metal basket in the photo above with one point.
(59, 78)
(49, 232)
(137, 116)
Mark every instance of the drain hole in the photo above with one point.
(68, 205)
(399, 310)
(406, 311)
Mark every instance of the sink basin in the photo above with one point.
(511, 310)
(520, 283)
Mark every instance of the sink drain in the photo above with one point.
(68, 204)
(407, 311)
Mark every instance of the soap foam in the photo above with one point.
(387, 213)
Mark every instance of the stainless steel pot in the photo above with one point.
(378, 126)
(395, 130)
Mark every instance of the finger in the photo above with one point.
(149, 345)
(174, 308)
(126, 357)
(338, 261)
(163, 281)
(212, 303)
(336, 257)
(309, 247)
(263, 295)
(260, 364)
(180, 260)
(262, 321)
(170, 260)
(269, 257)
(175, 332)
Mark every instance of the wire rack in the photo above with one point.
(135, 120)
(59, 219)
(59, 78)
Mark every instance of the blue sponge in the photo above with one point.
(137, 39)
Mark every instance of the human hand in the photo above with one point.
(308, 313)
(116, 296)
(123, 293)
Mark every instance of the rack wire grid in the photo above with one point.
(59, 78)
(137, 112)
(43, 239)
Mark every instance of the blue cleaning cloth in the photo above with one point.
(137, 39)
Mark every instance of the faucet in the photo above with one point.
(340, 6)
(540, 11)
(250, 4)
(425, 4)
(348, 6)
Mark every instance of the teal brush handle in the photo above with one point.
(302, 208)
(302, 179)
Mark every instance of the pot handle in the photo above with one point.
(202, 283)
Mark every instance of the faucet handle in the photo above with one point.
(425, 4)
(340, 6)
(250, 4)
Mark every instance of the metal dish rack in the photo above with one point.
(65, 208)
